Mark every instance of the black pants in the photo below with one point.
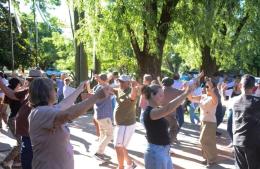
(247, 158)
(26, 153)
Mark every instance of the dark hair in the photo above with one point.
(13, 83)
(40, 91)
(176, 76)
(149, 90)
(248, 81)
(148, 77)
(115, 73)
(167, 81)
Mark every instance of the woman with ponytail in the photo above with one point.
(157, 153)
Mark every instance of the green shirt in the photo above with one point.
(125, 109)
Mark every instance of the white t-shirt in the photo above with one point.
(67, 90)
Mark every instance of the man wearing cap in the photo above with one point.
(104, 114)
(21, 124)
(125, 119)
(171, 93)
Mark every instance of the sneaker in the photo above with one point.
(204, 162)
(210, 164)
(218, 133)
(5, 165)
(132, 166)
(99, 156)
(230, 145)
(107, 157)
(17, 164)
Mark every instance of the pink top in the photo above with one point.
(208, 109)
(143, 103)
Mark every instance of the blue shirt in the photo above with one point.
(103, 108)
(60, 85)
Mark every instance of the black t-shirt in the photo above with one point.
(246, 121)
(156, 130)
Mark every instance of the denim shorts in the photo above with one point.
(158, 157)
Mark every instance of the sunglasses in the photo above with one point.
(206, 87)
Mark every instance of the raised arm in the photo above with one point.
(8, 92)
(212, 93)
(194, 99)
(170, 107)
(134, 90)
(76, 110)
(222, 87)
(67, 102)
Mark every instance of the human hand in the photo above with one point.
(106, 91)
(83, 85)
(189, 88)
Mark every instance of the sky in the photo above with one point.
(61, 12)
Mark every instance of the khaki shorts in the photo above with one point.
(123, 135)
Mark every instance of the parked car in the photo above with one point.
(53, 71)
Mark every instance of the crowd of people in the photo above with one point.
(41, 109)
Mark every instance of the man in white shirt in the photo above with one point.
(67, 90)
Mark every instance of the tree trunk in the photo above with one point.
(149, 64)
(209, 64)
(81, 68)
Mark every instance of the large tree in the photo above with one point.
(22, 52)
(212, 29)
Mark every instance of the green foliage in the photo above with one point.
(22, 52)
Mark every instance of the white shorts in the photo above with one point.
(123, 134)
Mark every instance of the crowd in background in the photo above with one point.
(41, 108)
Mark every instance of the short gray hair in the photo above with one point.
(40, 91)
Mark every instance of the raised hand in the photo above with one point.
(201, 74)
(106, 91)
(83, 85)
(188, 88)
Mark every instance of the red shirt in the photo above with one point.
(22, 124)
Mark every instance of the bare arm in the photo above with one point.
(195, 99)
(222, 89)
(8, 92)
(168, 108)
(79, 109)
(212, 93)
(67, 102)
(134, 91)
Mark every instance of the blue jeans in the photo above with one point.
(157, 157)
(229, 123)
(193, 116)
(180, 116)
(26, 152)
(141, 118)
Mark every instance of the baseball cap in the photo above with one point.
(167, 81)
(124, 78)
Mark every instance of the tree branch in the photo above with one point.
(134, 42)
(146, 39)
(164, 23)
(239, 28)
